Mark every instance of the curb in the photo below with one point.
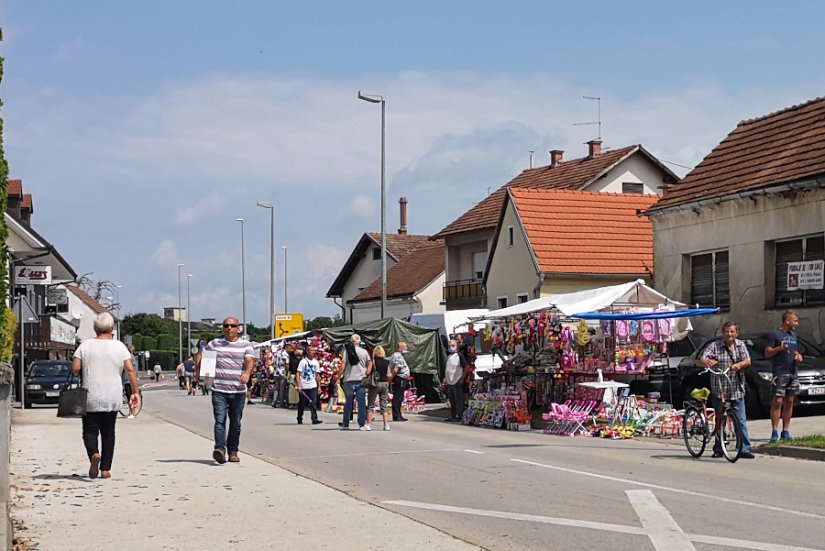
(811, 454)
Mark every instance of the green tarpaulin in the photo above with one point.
(426, 357)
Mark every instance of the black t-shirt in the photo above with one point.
(189, 367)
(381, 365)
(293, 363)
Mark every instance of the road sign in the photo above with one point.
(24, 312)
(288, 324)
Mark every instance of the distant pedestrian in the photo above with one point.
(101, 362)
(729, 353)
(181, 374)
(400, 375)
(454, 375)
(782, 350)
(235, 359)
(381, 389)
(307, 381)
(158, 371)
(357, 361)
(281, 362)
(189, 375)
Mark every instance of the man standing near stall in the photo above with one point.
(454, 375)
(400, 372)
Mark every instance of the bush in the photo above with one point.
(137, 341)
(149, 343)
(167, 342)
(165, 358)
(7, 331)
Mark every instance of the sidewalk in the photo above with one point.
(167, 493)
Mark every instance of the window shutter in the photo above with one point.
(701, 280)
(815, 250)
(722, 277)
(787, 251)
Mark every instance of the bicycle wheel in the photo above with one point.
(730, 435)
(694, 431)
(124, 405)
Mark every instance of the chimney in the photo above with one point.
(402, 204)
(665, 190)
(555, 157)
(594, 148)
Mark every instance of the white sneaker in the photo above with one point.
(130, 416)
(386, 427)
(365, 427)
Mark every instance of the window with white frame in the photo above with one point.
(501, 302)
(710, 280)
(797, 250)
(479, 263)
(522, 298)
(510, 236)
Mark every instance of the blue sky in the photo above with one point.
(144, 129)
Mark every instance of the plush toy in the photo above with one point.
(582, 334)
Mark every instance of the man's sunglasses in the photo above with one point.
(232, 325)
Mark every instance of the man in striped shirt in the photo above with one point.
(235, 359)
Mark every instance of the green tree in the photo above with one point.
(148, 325)
(4, 232)
(323, 322)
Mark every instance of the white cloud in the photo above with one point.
(165, 253)
(359, 206)
(201, 211)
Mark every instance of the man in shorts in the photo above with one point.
(781, 349)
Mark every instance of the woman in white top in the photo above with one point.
(102, 361)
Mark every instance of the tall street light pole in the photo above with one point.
(271, 207)
(375, 98)
(180, 320)
(188, 317)
(286, 303)
(243, 279)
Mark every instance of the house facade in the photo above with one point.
(745, 230)
(558, 241)
(630, 170)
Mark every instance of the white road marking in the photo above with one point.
(664, 533)
(365, 454)
(603, 526)
(670, 489)
(474, 451)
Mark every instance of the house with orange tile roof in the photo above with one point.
(745, 230)
(363, 268)
(82, 310)
(468, 239)
(413, 286)
(551, 241)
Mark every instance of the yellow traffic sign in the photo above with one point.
(288, 324)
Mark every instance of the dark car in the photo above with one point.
(45, 380)
(759, 375)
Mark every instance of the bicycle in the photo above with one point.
(699, 423)
(124, 404)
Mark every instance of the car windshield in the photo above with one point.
(50, 370)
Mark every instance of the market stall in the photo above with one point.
(571, 354)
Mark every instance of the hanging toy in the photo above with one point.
(582, 334)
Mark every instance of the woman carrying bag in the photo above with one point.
(101, 362)
(381, 389)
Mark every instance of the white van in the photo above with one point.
(458, 321)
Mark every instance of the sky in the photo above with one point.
(144, 129)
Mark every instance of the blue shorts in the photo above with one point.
(785, 385)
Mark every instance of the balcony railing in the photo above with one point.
(464, 292)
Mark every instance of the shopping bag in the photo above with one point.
(72, 402)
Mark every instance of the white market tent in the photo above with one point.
(631, 294)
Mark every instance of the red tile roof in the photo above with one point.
(781, 147)
(26, 203)
(15, 188)
(400, 245)
(413, 273)
(583, 232)
(574, 174)
(86, 299)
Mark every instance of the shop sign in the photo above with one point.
(806, 275)
(288, 324)
(61, 331)
(57, 296)
(33, 275)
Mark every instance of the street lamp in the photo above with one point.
(286, 304)
(243, 279)
(180, 320)
(271, 207)
(375, 98)
(188, 318)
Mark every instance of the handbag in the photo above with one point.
(72, 401)
(371, 380)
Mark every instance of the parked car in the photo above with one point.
(45, 380)
(661, 373)
(759, 376)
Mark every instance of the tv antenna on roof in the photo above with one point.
(598, 101)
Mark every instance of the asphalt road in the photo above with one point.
(505, 490)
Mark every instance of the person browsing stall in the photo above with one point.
(357, 362)
(307, 381)
(729, 353)
(400, 375)
(454, 375)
